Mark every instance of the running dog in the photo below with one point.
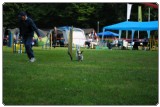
(79, 55)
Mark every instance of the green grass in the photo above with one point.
(117, 77)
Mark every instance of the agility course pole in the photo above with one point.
(14, 47)
(51, 40)
(20, 46)
(70, 43)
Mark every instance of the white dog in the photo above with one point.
(79, 54)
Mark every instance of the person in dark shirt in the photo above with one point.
(27, 28)
(54, 38)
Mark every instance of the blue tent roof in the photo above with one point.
(130, 25)
(65, 27)
(107, 33)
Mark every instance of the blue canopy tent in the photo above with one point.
(107, 33)
(133, 26)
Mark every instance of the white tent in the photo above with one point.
(78, 35)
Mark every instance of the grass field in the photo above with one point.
(117, 77)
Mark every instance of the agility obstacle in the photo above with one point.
(18, 47)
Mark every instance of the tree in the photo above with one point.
(83, 15)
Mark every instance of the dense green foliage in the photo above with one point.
(117, 77)
(83, 15)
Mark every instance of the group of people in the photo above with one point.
(114, 43)
(92, 39)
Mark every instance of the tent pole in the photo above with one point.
(132, 38)
(127, 30)
(120, 32)
(126, 34)
(103, 35)
(148, 32)
(98, 27)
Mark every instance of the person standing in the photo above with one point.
(27, 28)
(54, 39)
